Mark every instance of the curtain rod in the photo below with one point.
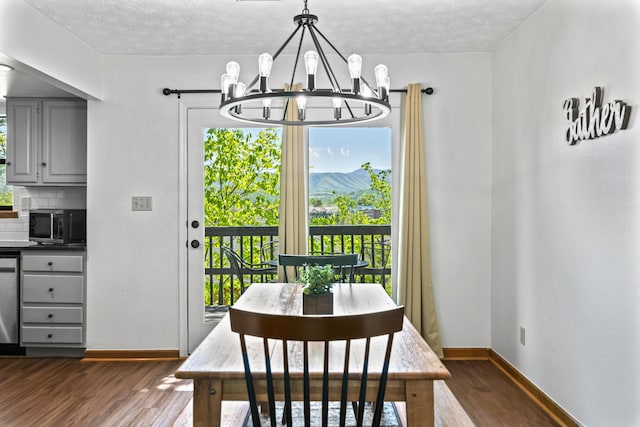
(166, 91)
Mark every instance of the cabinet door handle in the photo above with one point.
(49, 335)
(50, 263)
(50, 316)
(44, 163)
(50, 289)
(8, 163)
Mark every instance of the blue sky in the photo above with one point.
(345, 149)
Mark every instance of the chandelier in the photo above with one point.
(258, 103)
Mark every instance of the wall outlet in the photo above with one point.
(522, 336)
(140, 203)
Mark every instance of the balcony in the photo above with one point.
(259, 243)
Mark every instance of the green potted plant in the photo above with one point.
(316, 293)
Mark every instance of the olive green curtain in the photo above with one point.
(293, 228)
(415, 288)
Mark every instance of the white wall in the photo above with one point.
(566, 219)
(133, 148)
(34, 44)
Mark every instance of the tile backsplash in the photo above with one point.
(31, 198)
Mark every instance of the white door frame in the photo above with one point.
(208, 102)
(212, 101)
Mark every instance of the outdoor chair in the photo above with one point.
(296, 335)
(269, 251)
(240, 268)
(343, 263)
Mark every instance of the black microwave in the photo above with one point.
(59, 226)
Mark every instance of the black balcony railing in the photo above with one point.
(257, 244)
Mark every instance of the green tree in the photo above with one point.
(6, 191)
(316, 203)
(380, 193)
(241, 177)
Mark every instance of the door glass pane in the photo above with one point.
(349, 188)
(241, 189)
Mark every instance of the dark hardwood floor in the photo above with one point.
(490, 398)
(70, 392)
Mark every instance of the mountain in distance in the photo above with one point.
(324, 183)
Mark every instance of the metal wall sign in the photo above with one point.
(595, 120)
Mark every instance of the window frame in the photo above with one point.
(3, 161)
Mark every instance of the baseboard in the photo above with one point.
(130, 355)
(465, 354)
(538, 396)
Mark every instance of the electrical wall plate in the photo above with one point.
(140, 203)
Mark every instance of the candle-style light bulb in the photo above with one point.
(382, 81)
(265, 61)
(355, 69)
(302, 105)
(266, 108)
(381, 73)
(337, 103)
(311, 65)
(225, 86)
(241, 89)
(233, 70)
(368, 93)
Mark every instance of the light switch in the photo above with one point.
(140, 203)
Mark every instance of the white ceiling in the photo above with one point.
(211, 27)
(250, 27)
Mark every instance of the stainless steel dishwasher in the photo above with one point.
(9, 305)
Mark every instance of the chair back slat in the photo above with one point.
(325, 386)
(270, 392)
(287, 385)
(305, 386)
(253, 403)
(326, 329)
(377, 413)
(345, 384)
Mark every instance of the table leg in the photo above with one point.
(207, 402)
(420, 404)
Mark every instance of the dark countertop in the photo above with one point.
(53, 247)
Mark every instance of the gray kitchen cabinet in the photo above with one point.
(53, 300)
(46, 141)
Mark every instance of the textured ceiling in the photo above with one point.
(216, 27)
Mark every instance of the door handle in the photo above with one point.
(195, 224)
(195, 244)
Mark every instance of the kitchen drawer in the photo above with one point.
(52, 315)
(49, 288)
(66, 263)
(52, 334)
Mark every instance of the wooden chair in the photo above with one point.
(291, 331)
(344, 263)
(240, 267)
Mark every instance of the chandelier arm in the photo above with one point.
(275, 55)
(373, 89)
(324, 60)
(327, 66)
(295, 67)
(331, 44)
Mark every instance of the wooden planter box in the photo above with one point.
(317, 303)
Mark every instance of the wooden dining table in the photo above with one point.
(217, 370)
